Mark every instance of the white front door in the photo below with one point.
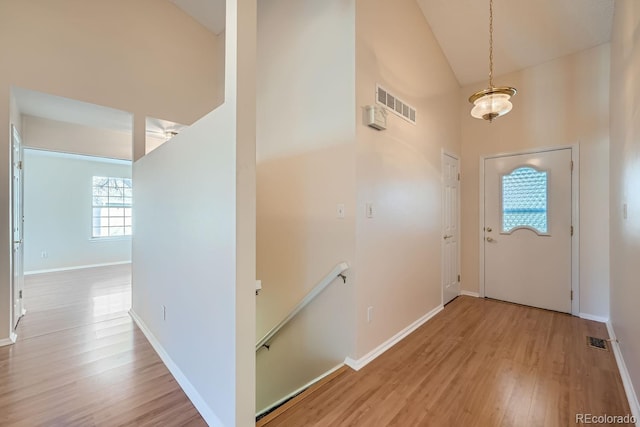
(527, 230)
(17, 189)
(450, 230)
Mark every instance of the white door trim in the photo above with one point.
(575, 217)
(443, 153)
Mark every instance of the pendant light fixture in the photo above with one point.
(493, 101)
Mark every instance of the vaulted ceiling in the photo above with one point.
(526, 32)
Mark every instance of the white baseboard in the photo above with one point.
(209, 416)
(8, 341)
(588, 316)
(77, 267)
(301, 389)
(373, 354)
(624, 373)
(470, 294)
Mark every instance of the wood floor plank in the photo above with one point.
(477, 363)
(81, 361)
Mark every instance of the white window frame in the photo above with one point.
(115, 196)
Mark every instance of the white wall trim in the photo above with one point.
(575, 217)
(373, 354)
(209, 416)
(9, 341)
(593, 317)
(78, 267)
(469, 293)
(299, 390)
(575, 220)
(624, 373)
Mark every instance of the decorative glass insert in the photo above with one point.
(524, 200)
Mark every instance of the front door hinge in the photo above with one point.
(458, 278)
(571, 165)
(571, 295)
(20, 293)
(20, 165)
(458, 177)
(572, 230)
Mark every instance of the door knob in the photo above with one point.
(448, 236)
(489, 229)
(490, 239)
(17, 242)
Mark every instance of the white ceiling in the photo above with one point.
(210, 13)
(526, 32)
(67, 110)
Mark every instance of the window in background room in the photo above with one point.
(111, 207)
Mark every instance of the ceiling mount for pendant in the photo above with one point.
(493, 101)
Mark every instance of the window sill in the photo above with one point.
(109, 239)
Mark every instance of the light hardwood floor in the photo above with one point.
(478, 363)
(81, 361)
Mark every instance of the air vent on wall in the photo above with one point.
(395, 105)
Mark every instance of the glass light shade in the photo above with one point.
(491, 105)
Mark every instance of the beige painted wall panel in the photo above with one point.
(625, 183)
(399, 169)
(559, 103)
(306, 162)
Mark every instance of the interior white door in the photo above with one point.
(450, 229)
(17, 188)
(527, 230)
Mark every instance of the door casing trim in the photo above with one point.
(575, 217)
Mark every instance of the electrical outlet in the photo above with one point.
(44, 254)
(340, 210)
(164, 313)
(369, 314)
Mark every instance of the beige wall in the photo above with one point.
(306, 149)
(146, 57)
(625, 183)
(398, 170)
(562, 102)
(72, 138)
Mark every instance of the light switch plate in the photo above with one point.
(369, 210)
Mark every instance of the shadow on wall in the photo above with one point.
(299, 240)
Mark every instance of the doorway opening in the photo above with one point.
(72, 203)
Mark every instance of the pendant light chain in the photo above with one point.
(493, 101)
(491, 43)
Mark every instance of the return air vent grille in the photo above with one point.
(395, 105)
(598, 343)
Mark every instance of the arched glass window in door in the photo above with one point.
(524, 200)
